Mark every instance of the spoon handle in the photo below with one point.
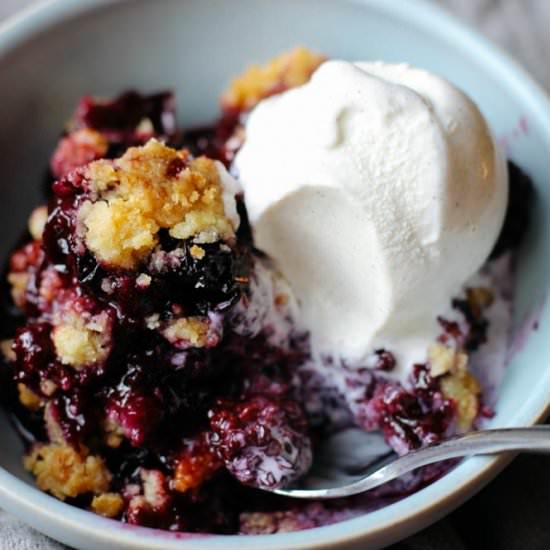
(534, 440)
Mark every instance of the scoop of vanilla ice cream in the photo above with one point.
(378, 189)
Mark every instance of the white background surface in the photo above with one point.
(520, 26)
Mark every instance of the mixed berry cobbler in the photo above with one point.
(151, 359)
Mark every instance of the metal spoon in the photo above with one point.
(353, 462)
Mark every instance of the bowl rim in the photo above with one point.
(405, 516)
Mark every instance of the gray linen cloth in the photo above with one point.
(512, 512)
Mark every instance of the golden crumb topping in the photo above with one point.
(463, 388)
(285, 71)
(64, 472)
(197, 252)
(37, 221)
(151, 188)
(479, 299)
(187, 331)
(114, 434)
(28, 398)
(6, 348)
(193, 471)
(109, 505)
(143, 280)
(79, 342)
(443, 360)
(257, 523)
(18, 287)
(457, 383)
(266, 523)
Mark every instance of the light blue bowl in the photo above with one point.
(57, 51)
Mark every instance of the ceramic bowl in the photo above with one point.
(59, 50)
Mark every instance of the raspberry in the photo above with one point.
(263, 442)
(136, 415)
(408, 418)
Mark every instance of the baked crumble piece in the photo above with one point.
(189, 332)
(195, 464)
(457, 383)
(151, 497)
(285, 71)
(37, 221)
(261, 523)
(444, 360)
(28, 398)
(146, 190)
(109, 505)
(258, 82)
(80, 342)
(64, 472)
(6, 349)
(464, 389)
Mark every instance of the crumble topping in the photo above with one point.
(285, 71)
(109, 505)
(28, 398)
(151, 188)
(37, 221)
(6, 348)
(152, 496)
(443, 360)
(479, 299)
(152, 322)
(457, 383)
(114, 433)
(18, 283)
(143, 280)
(265, 523)
(197, 252)
(154, 486)
(188, 332)
(64, 472)
(79, 342)
(192, 473)
(464, 389)
(194, 465)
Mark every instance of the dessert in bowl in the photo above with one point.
(178, 337)
(246, 274)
